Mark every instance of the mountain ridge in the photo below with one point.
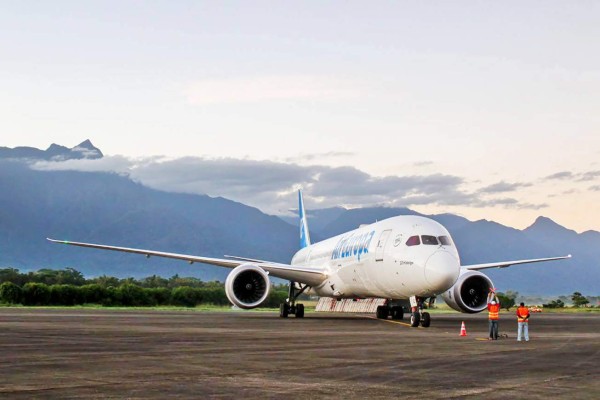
(54, 152)
(112, 209)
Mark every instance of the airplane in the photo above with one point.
(405, 259)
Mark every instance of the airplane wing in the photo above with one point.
(311, 276)
(505, 264)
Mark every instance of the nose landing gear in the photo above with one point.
(418, 316)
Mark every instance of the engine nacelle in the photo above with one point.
(469, 293)
(247, 286)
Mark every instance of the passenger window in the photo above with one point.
(413, 241)
(429, 239)
(445, 240)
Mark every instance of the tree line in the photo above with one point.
(508, 300)
(69, 287)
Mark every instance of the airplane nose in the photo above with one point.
(441, 270)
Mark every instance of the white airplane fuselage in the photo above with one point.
(379, 260)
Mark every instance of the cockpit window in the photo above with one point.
(429, 240)
(445, 240)
(413, 241)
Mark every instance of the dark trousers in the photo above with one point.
(493, 329)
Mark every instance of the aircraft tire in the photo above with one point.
(284, 310)
(425, 320)
(415, 318)
(397, 313)
(382, 312)
(299, 311)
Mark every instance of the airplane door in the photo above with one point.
(381, 244)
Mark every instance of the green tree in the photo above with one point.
(160, 296)
(65, 295)
(176, 281)
(154, 282)
(12, 275)
(214, 295)
(111, 297)
(214, 285)
(70, 276)
(275, 298)
(579, 300)
(558, 303)
(132, 295)
(507, 300)
(10, 293)
(186, 296)
(105, 281)
(36, 294)
(92, 293)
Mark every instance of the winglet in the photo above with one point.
(58, 241)
(304, 234)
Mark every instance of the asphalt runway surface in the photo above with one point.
(96, 353)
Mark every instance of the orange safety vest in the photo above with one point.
(522, 314)
(493, 310)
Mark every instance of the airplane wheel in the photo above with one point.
(415, 318)
(382, 312)
(284, 310)
(299, 311)
(425, 320)
(397, 312)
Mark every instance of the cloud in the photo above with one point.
(118, 164)
(267, 88)
(560, 175)
(579, 177)
(589, 176)
(87, 153)
(271, 186)
(423, 163)
(530, 206)
(570, 191)
(595, 188)
(318, 156)
(502, 187)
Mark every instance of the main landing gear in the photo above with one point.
(417, 315)
(389, 310)
(290, 306)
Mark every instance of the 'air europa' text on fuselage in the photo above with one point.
(353, 245)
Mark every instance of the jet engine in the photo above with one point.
(247, 286)
(469, 293)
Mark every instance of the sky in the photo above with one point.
(481, 109)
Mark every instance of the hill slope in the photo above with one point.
(112, 209)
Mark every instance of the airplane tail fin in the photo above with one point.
(304, 235)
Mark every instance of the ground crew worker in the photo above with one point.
(523, 321)
(493, 314)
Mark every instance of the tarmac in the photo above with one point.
(103, 353)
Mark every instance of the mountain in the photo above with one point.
(319, 219)
(112, 209)
(55, 152)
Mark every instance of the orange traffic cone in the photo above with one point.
(463, 330)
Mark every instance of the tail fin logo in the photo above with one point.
(304, 234)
